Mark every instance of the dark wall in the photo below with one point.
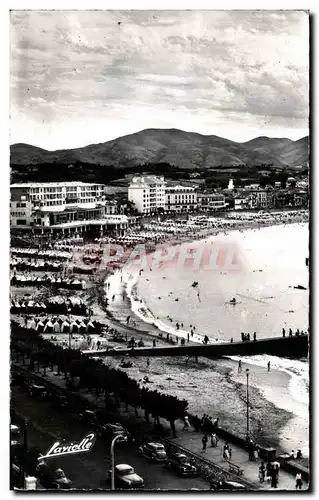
(290, 347)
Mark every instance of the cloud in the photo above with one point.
(160, 69)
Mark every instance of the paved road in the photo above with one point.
(89, 471)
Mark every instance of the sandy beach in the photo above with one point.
(276, 418)
(212, 387)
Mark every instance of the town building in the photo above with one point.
(147, 193)
(63, 208)
(180, 199)
(258, 199)
(241, 202)
(252, 187)
(208, 202)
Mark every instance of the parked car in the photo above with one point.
(52, 477)
(38, 391)
(88, 417)
(60, 402)
(111, 430)
(126, 477)
(14, 435)
(154, 451)
(227, 486)
(182, 464)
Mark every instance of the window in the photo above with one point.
(21, 222)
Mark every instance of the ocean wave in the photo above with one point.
(296, 369)
(140, 309)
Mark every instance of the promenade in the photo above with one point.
(190, 440)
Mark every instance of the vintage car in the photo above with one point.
(52, 477)
(154, 451)
(38, 391)
(126, 477)
(180, 463)
(227, 486)
(88, 417)
(111, 430)
(14, 435)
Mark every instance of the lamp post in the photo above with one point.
(121, 437)
(247, 403)
(25, 450)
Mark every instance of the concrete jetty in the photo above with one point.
(289, 347)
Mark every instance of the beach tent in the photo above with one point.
(74, 327)
(56, 327)
(31, 324)
(90, 327)
(82, 327)
(65, 327)
(48, 327)
(40, 327)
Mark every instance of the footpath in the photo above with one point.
(188, 439)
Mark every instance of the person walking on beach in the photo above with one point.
(204, 441)
(187, 337)
(214, 440)
(113, 297)
(186, 423)
(283, 333)
(128, 320)
(268, 366)
(299, 482)
(262, 471)
(239, 366)
(226, 452)
(255, 336)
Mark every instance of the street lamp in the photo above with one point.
(247, 403)
(118, 437)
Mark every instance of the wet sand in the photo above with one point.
(209, 387)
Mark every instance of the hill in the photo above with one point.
(183, 150)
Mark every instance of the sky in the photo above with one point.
(83, 77)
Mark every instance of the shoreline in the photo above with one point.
(222, 393)
(287, 423)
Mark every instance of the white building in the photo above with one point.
(64, 207)
(240, 202)
(180, 199)
(211, 202)
(147, 193)
(231, 184)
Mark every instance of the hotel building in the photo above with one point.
(63, 208)
(180, 199)
(147, 193)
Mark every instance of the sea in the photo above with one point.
(271, 263)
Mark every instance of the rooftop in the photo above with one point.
(53, 184)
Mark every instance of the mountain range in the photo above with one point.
(178, 148)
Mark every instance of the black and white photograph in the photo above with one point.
(160, 195)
